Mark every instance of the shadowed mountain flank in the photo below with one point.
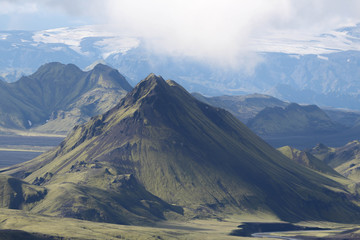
(184, 154)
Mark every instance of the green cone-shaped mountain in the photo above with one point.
(186, 153)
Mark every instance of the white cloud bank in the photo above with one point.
(13, 7)
(222, 32)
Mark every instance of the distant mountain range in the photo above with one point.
(303, 126)
(244, 107)
(57, 97)
(292, 120)
(162, 154)
(282, 123)
(311, 74)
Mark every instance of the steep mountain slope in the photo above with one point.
(293, 119)
(307, 159)
(58, 96)
(243, 107)
(184, 152)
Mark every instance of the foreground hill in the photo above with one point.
(57, 97)
(16, 194)
(160, 153)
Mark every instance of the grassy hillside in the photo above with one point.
(67, 228)
(17, 194)
(57, 97)
(178, 151)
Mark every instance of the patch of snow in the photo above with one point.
(322, 57)
(116, 45)
(72, 37)
(57, 48)
(3, 36)
(68, 36)
(91, 66)
(296, 56)
(303, 43)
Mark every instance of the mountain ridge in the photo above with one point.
(60, 92)
(344, 159)
(244, 107)
(293, 119)
(308, 160)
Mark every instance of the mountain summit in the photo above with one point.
(177, 151)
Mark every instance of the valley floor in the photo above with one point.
(16, 149)
(67, 228)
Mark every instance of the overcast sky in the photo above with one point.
(205, 29)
